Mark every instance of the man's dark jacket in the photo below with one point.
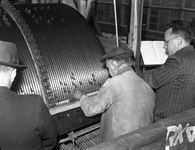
(174, 82)
(25, 122)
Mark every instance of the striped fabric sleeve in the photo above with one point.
(164, 74)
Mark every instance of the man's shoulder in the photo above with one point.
(186, 55)
(31, 98)
(188, 50)
(26, 97)
(116, 80)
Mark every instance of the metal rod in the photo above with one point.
(77, 135)
(116, 24)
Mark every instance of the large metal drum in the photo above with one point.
(61, 51)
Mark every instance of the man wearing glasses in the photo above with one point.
(174, 81)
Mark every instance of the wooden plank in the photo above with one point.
(131, 33)
(134, 39)
(174, 133)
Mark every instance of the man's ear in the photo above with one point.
(179, 41)
(13, 74)
(115, 63)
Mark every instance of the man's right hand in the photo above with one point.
(78, 94)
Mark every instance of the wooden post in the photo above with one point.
(68, 2)
(134, 40)
(84, 7)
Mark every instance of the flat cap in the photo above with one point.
(118, 52)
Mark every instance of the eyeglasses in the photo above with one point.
(167, 41)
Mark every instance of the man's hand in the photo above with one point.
(78, 94)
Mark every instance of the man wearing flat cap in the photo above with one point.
(125, 101)
(25, 121)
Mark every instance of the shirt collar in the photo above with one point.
(124, 70)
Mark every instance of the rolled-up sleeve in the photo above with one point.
(96, 104)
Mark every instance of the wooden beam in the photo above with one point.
(173, 133)
(134, 38)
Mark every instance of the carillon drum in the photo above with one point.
(61, 51)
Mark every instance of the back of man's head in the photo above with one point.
(7, 75)
(9, 62)
(181, 29)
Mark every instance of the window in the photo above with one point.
(161, 12)
(106, 17)
(105, 13)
